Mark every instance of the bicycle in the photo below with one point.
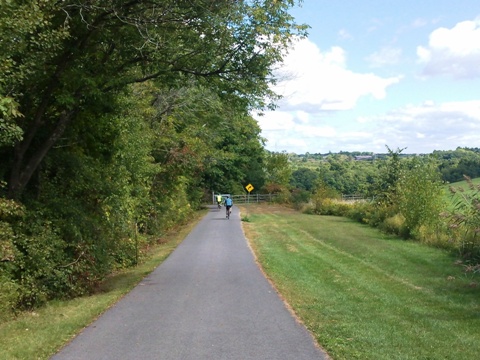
(228, 206)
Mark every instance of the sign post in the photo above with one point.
(249, 188)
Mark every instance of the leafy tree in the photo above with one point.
(386, 186)
(455, 164)
(278, 171)
(420, 195)
(67, 58)
(304, 178)
(117, 117)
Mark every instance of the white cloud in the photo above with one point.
(454, 51)
(386, 56)
(315, 131)
(276, 121)
(419, 128)
(431, 126)
(319, 112)
(344, 35)
(320, 80)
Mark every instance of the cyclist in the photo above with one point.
(228, 205)
(219, 201)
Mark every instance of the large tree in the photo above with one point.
(65, 58)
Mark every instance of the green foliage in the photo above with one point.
(396, 225)
(278, 171)
(332, 207)
(362, 211)
(300, 198)
(122, 119)
(10, 212)
(304, 178)
(407, 194)
(10, 133)
(464, 220)
(339, 171)
(419, 194)
(386, 186)
(39, 254)
(67, 60)
(455, 164)
(8, 296)
(322, 199)
(246, 218)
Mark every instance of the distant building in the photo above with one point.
(363, 157)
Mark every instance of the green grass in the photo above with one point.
(366, 295)
(39, 334)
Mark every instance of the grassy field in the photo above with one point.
(40, 333)
(460, 184)
(366, 295)
(362, 294)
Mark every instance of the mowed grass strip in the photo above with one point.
(366, 295)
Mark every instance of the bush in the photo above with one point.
(372, 213)
(395, 225)
(321, 199)
(8, 297)
(300, 198)
(333, 207)
(361, 211)
(36, 269)
(437, 236)
(419, 195)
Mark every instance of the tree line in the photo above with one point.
(117, 118)
(344, 172)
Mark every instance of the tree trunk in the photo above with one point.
(23, 169)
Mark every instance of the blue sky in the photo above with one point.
(402, 74)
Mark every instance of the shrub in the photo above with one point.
(437, 236)
(334, 207)
(395, 225)
(8, 297)
(300, 198)
(37, 267)
(323, 194)
(361, 211)
(419, 195)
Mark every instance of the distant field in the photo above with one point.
(463, 184)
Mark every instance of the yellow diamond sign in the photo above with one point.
(249, 187)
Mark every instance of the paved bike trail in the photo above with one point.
(207, 300)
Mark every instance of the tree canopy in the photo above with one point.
(64, 59)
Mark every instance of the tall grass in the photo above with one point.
(364, 294)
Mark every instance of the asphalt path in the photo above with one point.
(207, 300)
